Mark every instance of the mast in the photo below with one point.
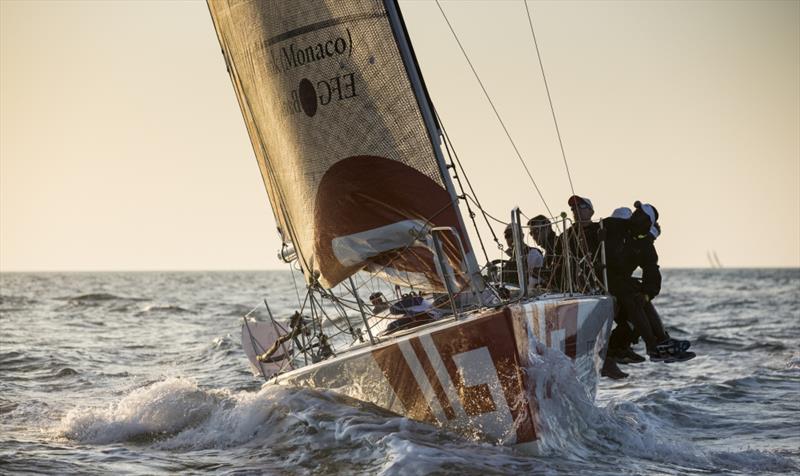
(426, 109)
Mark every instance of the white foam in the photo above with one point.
(574, 427)
(304, 425)
(162, 408)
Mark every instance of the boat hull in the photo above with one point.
(475, 375)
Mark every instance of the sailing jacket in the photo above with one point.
(625, 253)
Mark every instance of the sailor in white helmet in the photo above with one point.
(627, 251)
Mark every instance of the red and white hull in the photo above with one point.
(474, 375)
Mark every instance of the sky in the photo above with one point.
(122, 146)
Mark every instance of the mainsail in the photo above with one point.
(352, 169)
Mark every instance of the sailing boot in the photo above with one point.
(611, 370)
(670, 351)
(680, 345)
(661, 352)
(628, 356)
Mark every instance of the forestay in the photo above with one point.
(348, 163)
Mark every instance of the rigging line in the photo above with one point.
(463, 193)
(303, 307)
(322, 310)
(340, 309)
(549, 99)
(307, 343)
(334, 299)
(294, 281)
(496, 113)
(469, 184)
(487, 214)
(367, 283)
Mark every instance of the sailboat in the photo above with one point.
(350, 150)
(713, 260)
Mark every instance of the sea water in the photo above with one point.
(144, 373)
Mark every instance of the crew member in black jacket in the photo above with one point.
(629, 245)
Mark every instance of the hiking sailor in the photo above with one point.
(629, 245)
(623, 336)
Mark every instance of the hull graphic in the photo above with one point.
(474, 376)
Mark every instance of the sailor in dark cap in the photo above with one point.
(582, 209)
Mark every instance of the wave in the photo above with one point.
(95, 299)
(168, 309)
(26, 362)
(10, 303)
(65, 372)
(176, 414)
(222, 348)
(731, 304)
(148, 413)
(13, 357)
(739, 343)
(313, 430)
(574, 426)
(7, 406)
(302, 428)
(91, 297)
(238, 310)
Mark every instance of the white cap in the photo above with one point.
(622, 212)
(651, 212)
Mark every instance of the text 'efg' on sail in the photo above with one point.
(348, 163)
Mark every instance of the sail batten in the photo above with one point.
(342, 135)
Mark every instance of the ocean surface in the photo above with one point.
(130, 373)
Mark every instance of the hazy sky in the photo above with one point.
(122, 146)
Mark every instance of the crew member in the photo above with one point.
(629, 245)
(541, 230)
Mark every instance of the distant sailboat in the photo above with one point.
(713, 259)
(716, 259)
(349, 149)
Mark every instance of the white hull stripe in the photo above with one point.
(441, 373)
(424, 385)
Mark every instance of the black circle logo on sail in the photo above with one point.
(308, 97)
